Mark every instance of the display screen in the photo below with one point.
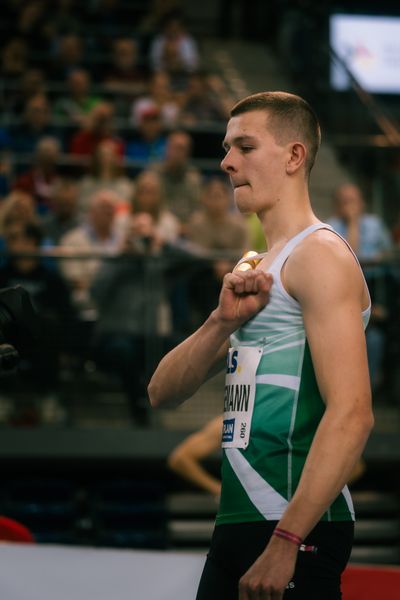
(370, 47)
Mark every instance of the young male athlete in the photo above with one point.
(297, 396)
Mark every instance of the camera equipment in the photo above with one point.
(19, 327)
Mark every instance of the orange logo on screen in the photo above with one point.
(361, 55)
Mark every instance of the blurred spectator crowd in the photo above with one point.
(110, 215)
(106, 218)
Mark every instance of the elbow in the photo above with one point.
(175, 460)
(154, 395)
(369, 422)
(364, 422)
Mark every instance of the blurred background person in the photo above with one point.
(31, 83)
(160, 96)
(370, 240)
(149, 198)
(51, 298)
(148, 142)
(34, 125)
(17, 206)
(14, 60)
(216, 228)
(181, 181)
(186, 459)
(64, 215)
(99, 126)
(74, 105)
(106, 171)
(68, 54)
(127, 76)
(41, 179)
(98, 233)
(200, 103)
(174, 50)
(133, 323)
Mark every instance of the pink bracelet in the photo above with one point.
(287, 535)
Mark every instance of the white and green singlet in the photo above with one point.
(272, 409)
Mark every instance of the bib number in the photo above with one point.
(240, 391)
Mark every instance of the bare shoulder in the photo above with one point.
(324, 245)
(323, 262)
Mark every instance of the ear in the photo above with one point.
(297, 157)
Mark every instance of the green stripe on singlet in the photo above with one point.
(309, 413)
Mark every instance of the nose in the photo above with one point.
(227, 163)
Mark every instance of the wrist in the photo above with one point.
(288, 536)
(224, 327)
(282, 547)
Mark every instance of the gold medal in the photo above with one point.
(248, 262)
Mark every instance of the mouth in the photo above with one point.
(239, 185)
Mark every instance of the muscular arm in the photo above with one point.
(186, 458)
(332, 297)
(324, 277)
(182, 371)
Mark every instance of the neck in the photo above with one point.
(286, 218)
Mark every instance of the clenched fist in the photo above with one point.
(242, 296)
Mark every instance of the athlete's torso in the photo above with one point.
(258, 481)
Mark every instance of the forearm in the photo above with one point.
(337, 446)
(181, 372)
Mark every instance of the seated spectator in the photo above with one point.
(180, 180)
(217, 229)
(106, 18)
(34, 126)
(133, 323)
(40, 180)
(14, 61)
(370, 240)
(31, 83)
(30, 24)
(200, 103)
(157, 12)
(175, 51)
(18, 210)
(64, 214)
(160, 97)
(98, 127)
(51, 299)
(214, 225)
(68, 56)
(6, 171)
(100, 233)
(148, 145)
(366, 233)
(126, 78)
(106, 171)
(78, 102)
(65, 18)
(148, 198)
(17, 206)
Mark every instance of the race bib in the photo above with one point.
(240, 391)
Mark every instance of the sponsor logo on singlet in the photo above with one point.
(228, 430)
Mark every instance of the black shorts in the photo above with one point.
(234, 548)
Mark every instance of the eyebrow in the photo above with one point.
(237, 140)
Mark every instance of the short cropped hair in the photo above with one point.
(290, 118)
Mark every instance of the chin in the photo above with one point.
(243, 200)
